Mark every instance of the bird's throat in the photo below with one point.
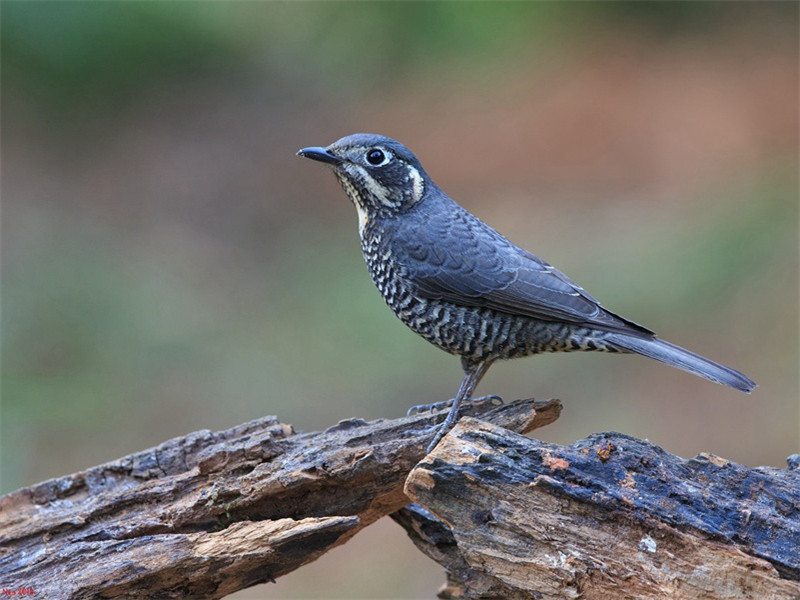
(355, 197)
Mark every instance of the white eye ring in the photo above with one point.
(377, 157)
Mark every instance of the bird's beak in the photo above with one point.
(320, 154)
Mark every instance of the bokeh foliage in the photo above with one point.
(168, 265)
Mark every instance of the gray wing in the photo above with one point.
(453, 256)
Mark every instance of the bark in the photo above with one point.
(507, 516)
(608, 517)
(211, 513)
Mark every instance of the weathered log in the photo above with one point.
(211, 513)
(510, 517)
(608, 517)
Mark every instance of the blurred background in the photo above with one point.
(169, 265)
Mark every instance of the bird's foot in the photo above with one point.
(424, 408)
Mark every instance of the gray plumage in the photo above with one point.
(467, 289)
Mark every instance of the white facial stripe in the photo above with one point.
(373, 187)
(352, 192)
(363, 218)
(418, 186)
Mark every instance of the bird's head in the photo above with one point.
(379, 174)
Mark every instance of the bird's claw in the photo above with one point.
(492, 399)
(436, 406)
(424, 408)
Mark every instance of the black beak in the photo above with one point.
(320, 154)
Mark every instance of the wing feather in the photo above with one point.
(457, 258)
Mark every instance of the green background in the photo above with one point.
(169, 265)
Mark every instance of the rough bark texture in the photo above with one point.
(507, 516)
(210, 513)
(608, 517)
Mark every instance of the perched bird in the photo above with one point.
(467, 289)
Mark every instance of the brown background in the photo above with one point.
(169, 265)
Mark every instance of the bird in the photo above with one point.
(464, 287)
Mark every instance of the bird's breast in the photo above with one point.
(380, 261)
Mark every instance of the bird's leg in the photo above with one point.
(473, 374)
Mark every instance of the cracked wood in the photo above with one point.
(210, 513)
(608, 517)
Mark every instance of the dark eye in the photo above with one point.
(376, 157)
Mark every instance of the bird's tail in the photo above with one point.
(681, 358)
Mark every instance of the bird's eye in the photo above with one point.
(376, 157)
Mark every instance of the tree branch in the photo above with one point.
(210, 513)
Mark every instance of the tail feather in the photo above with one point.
(681, 358)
